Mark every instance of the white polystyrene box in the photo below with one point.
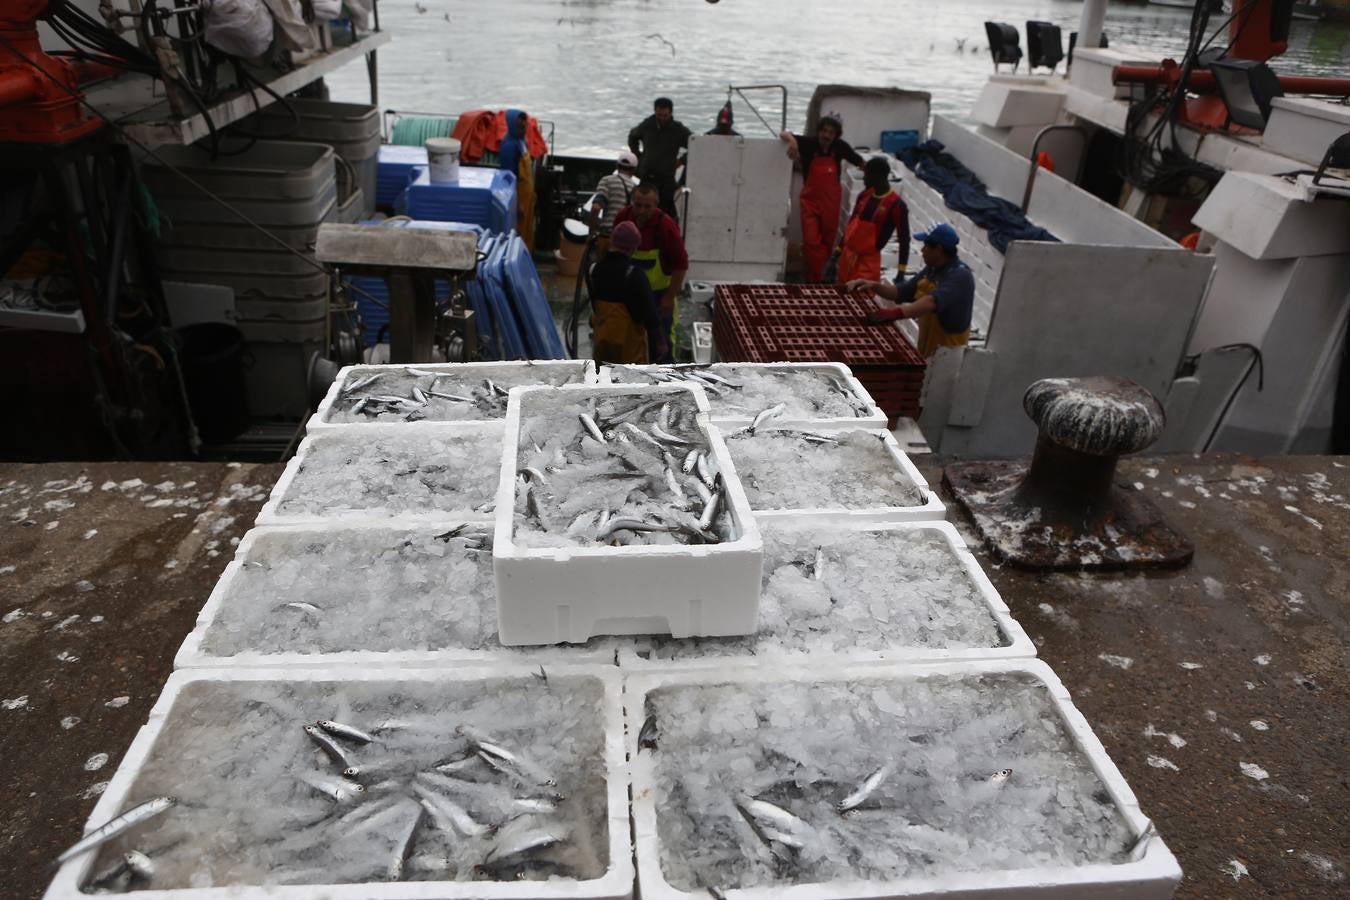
(254, 547)
(361, 440)
(616, 884)
(1152, 876)
(550, 595)
(584, 369)
(930, 510)
(873, 418)
(1017, 644)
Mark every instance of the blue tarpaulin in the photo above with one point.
(964, 192)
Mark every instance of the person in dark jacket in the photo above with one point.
(725, 122)
(657, 140)
(624, 321)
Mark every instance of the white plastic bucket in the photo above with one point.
(443, 160)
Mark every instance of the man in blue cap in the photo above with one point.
(941, 296)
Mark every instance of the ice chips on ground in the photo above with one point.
(939, 775)
(259, 802)
(396, 473)
(744, 391)
(607, 468)
(371, 589)
(831, 591)
(788, 469)
(433, 393)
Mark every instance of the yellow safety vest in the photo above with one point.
(659, 279)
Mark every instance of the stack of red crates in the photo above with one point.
(818, 323)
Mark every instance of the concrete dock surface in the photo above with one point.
(1220, 690)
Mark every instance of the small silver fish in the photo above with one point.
(674, 484)
(424, 373)
(593, 429)
(133, 863)
(766, 415)
(1000, 776)
(403, 847)
(525, 842)
(626, 524)
(303, 606)
(704, 473)
(449, 815)
(667, 438)
(866, 789)
(498, 756)
(710, 511)
(346, 732)
(533, 474)
(663, 417)
(690, 460)
(359, 383)
(419, 396)
(328, 746)
(818, 573)
(458, 398)
(701, 489)
(360, 405)
(337, 790)
(772, 824)
(119, 825)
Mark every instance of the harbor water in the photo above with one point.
(592, 67)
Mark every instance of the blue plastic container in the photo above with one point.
(483, 197)
(893, 142)
(394, 169)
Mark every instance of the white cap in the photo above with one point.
(627, 159)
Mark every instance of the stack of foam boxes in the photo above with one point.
(280, 292)
(612, 603)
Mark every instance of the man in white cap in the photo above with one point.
(612, 194)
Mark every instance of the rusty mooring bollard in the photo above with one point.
(1064, 510)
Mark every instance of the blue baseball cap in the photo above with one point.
(943, 235)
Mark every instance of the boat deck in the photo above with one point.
(1254, 630)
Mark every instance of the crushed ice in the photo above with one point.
(800, 470)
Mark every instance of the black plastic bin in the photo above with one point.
(212, 358)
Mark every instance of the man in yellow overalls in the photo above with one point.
(941, 296)
(661, 255)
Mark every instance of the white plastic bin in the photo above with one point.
(474, 502)
(767, 646)
(931, 509)
(174, 709)
(838, 373)
(211, 645)
(553, 594)
(1151, 873)
(506, 374)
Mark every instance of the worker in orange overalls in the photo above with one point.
(820, 158)
(878, 214)
(514, 156)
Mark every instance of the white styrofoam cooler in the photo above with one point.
(1018, 645)
(319, 421)
(873, 418)
(550, 595)
(616, 884)
(270, 515)
(1152, 876)
(192, 653)
(930, 510)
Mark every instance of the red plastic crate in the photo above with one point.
(818, 323)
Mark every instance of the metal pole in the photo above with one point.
(1035, 149)
(1090, 23)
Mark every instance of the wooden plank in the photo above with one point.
(417, 248)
